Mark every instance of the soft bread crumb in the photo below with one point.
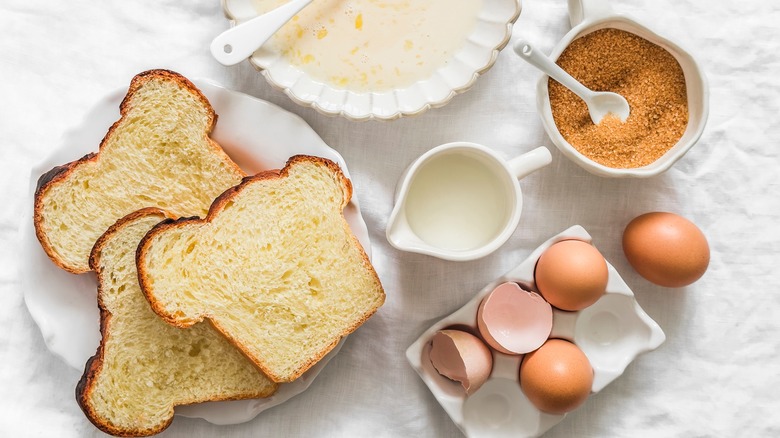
(158, 154)
(144, 367)
(274, 266)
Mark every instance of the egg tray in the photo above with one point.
(612, 332)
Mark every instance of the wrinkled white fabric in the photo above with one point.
(717, 374)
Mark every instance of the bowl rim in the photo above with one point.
(692, 132)
(339, 109)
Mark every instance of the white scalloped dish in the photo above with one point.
(257, 135)
(611, 333)
(480, 32)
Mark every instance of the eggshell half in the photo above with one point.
(461, 356)
(513, 320)
(571, 275)
(666, 249)
(557, 378)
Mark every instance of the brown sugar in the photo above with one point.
(650, 79)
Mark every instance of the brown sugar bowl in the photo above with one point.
(666, 90)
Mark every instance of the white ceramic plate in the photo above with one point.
(612, 332)
(491, 34)
(257, 135)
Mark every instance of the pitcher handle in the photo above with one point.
(530, 162)
(585, 10)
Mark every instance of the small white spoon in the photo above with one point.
(600, 103)
(239, 42)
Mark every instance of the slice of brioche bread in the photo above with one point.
(158, 154)
(144, 367)
(274, 266)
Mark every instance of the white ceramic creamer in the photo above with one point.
(460, 201)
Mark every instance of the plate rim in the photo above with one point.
(214, 412)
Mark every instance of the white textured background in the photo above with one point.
(718, 374)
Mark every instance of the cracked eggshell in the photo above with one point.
(513, 320)
(611, 333)
(462, 357)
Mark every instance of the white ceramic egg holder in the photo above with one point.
(611, 332)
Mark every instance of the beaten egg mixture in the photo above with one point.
(373, 45)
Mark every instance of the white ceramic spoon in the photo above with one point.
(239, 42)
(600, 103)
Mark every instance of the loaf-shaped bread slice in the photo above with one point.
(144, 366)
(274, 266)
(158, 154)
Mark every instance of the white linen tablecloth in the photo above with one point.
(717, 374)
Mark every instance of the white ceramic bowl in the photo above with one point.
(587, 16)
(491, 34)
(612, 332)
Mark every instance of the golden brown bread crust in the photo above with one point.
(85, 387)
(216, 207)
(60, 173)
(94, 365)
(45, 181)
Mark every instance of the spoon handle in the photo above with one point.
(526, 51)
(239, 42)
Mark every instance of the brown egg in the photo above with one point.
(571, 275)
(666, 249)
(556, 378)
